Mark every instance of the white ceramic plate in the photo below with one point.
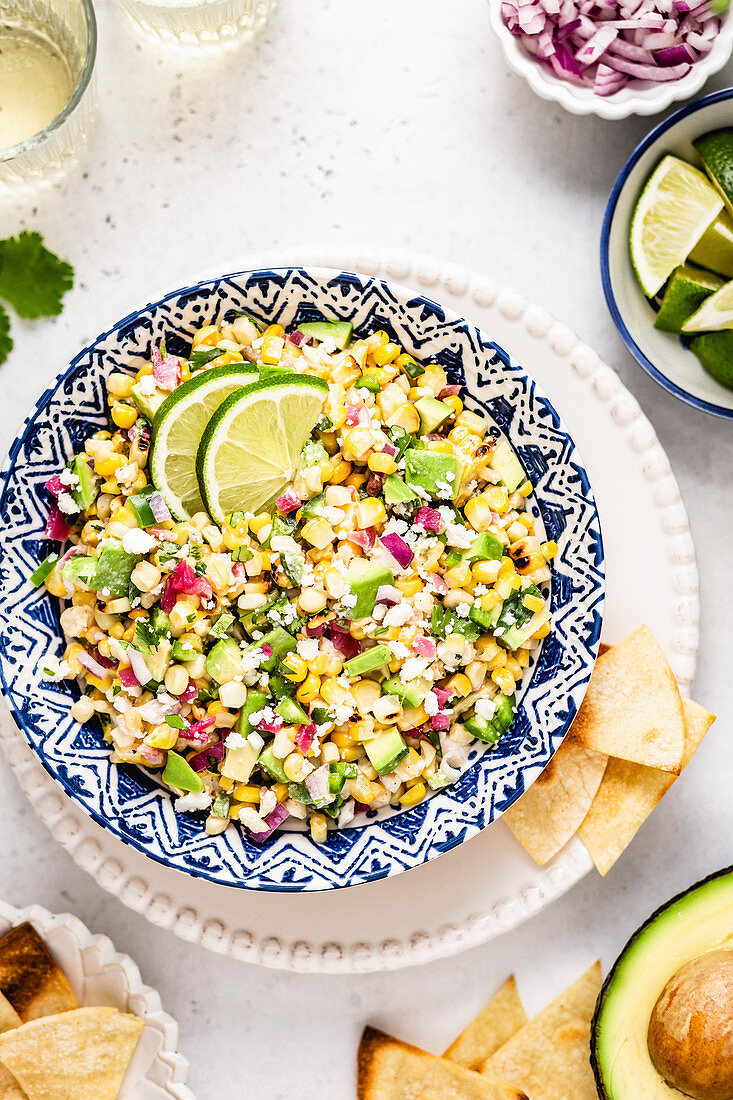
(443, 907)
(99, 975)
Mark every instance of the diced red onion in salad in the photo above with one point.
(159, 508)
(151, 756)
(429, 518)
(56, 526)
(55, 486)
(166, 372)
(318, 788)
(273, 821)
(200, 762)
(189, 695)
(143, 675)
(304, 736)
(603, 44)
(347, 646)
(128, 678)
(104, 661)
(91, 665)
(398, 548)
(387, 593)
(315, 630)
(449, 391)
(299, 338)
(288, 502)
(198, 731)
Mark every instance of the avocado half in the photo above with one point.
(691, 924)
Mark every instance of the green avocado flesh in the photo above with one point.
(690, 925)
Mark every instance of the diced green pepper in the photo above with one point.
(485, 547)
(220, 628)
(396, 492)
(338, 773)
(85, 492)
(272, 765)
(411, 368)
(140, 504)
(401, 439)
(47, 566)
(368, 381)
(183, 651)
(483, 729)
(220, 807)
(280, 642)
(254, 702)
(291, 712)
(310, 506)
(179, 773)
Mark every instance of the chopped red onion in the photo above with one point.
(365, 539)
(166, 372)
(91, 665)
(429, 518)
(159, 508)
(288, 502)
(184, 579)
(440, 721)
(151, 756)
(198, 731)
(189, 695)
(143, 675)
(55, 486)
(273, 821)
(398, 548)
(347, 646)
(603, 44)
(104, 661)
(387, 593)
(453, 391)
(200, 762)
(299, 338)
(443, 695)
(426, 648)
(318, 787)
(128, 678)
(267, 650)
(389, 449)
(315, 630)
(56, 526)
(304, 736)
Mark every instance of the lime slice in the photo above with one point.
(715, 313)
(672, 213)
(687, 289)
(251, 447)
(715, 352)
(714, 250)
(715, 150)
(177, 429)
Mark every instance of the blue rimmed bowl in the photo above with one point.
(129, 801)
(663, 355)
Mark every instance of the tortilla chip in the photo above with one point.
(29, 977)
(497, 1021)
(81, 1054)
(388, 1069)
(549, 1058)
(632, 708)
(548, 815)
(629, 793)
(9, 1018)
(603, 648)
(9, 1087)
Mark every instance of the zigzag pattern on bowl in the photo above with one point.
(92, 964)
(129, 801)
(182, 913)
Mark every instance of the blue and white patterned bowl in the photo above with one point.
(129, 801)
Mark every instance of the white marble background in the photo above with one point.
(392, 123)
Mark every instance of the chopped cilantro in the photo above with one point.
(145, 637)
(32, 279)
(175, 721)
(201, 356)
(446, 622)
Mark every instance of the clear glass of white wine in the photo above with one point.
(199, 22)
(48, 51)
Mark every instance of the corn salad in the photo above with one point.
(340, 654)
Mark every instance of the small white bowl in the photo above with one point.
(637, 98)
(661, 354)
(100, 975)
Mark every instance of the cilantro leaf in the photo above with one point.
(32, 279)
(201, 356)
(6, 340)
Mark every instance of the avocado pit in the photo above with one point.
(690, 1036)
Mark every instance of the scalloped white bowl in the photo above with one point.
(637, 98)
(100, 975)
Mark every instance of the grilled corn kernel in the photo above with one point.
(123, 415)
(120, 385)
(246, 792)
(485, 572)
(332, 692)
(309, 689)
(272, 349)
(549, 549)
(339, 472)
(208, 334)
(259, 521)
(413, 794)
(294, 668)
(162, 737)
(377, 340)
(457, 576)
(319, 828)
(543, 631)
(503, 680)
(108, 464)
(408, 586)
(460, 684)
(405, 416)
(381, 463)
(370, 512)
(385, 353)
(318, 532)
(525, 489)
(443, 447)
(363, 790)
(533, 603)
(454, 403)
(497, 499)
(478, 513)
(281, 792)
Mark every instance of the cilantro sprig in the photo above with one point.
(32, 280)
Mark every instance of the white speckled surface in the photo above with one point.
(394, 125)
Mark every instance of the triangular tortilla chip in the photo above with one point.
(549, 1057)
(632, 708)
(9, 1018)
(391, 1070)
(603, 648)
(629, 793)
(29, 977)
(77, 1055)
(9, 1087)
(497, 1021)
(548, 815)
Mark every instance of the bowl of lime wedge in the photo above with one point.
(667, 254)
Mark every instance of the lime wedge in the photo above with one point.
(715, 352)
(715, 313)
(672, 213)
(714, 250)
(251, 447)
(715, 150)
(687, 289)
(177, 429)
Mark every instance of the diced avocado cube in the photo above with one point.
(368, 660)
(254, 702)
(386, 750)
(485, 547)
(483, 729)
(396, 492)
(224, 661)
(148, 404)
(452, 559)
(485, 619)
(338, 331)
(280, 642)
(433, 413)
(183, 651)
(409, 694)
(506, 464)
(272, 765)
(365, 578)
(114, 567)
(238, 764)
(81, 569)
(432, 471)
(179, 773)
(85, 493)
(291, 712)
(338, 773)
